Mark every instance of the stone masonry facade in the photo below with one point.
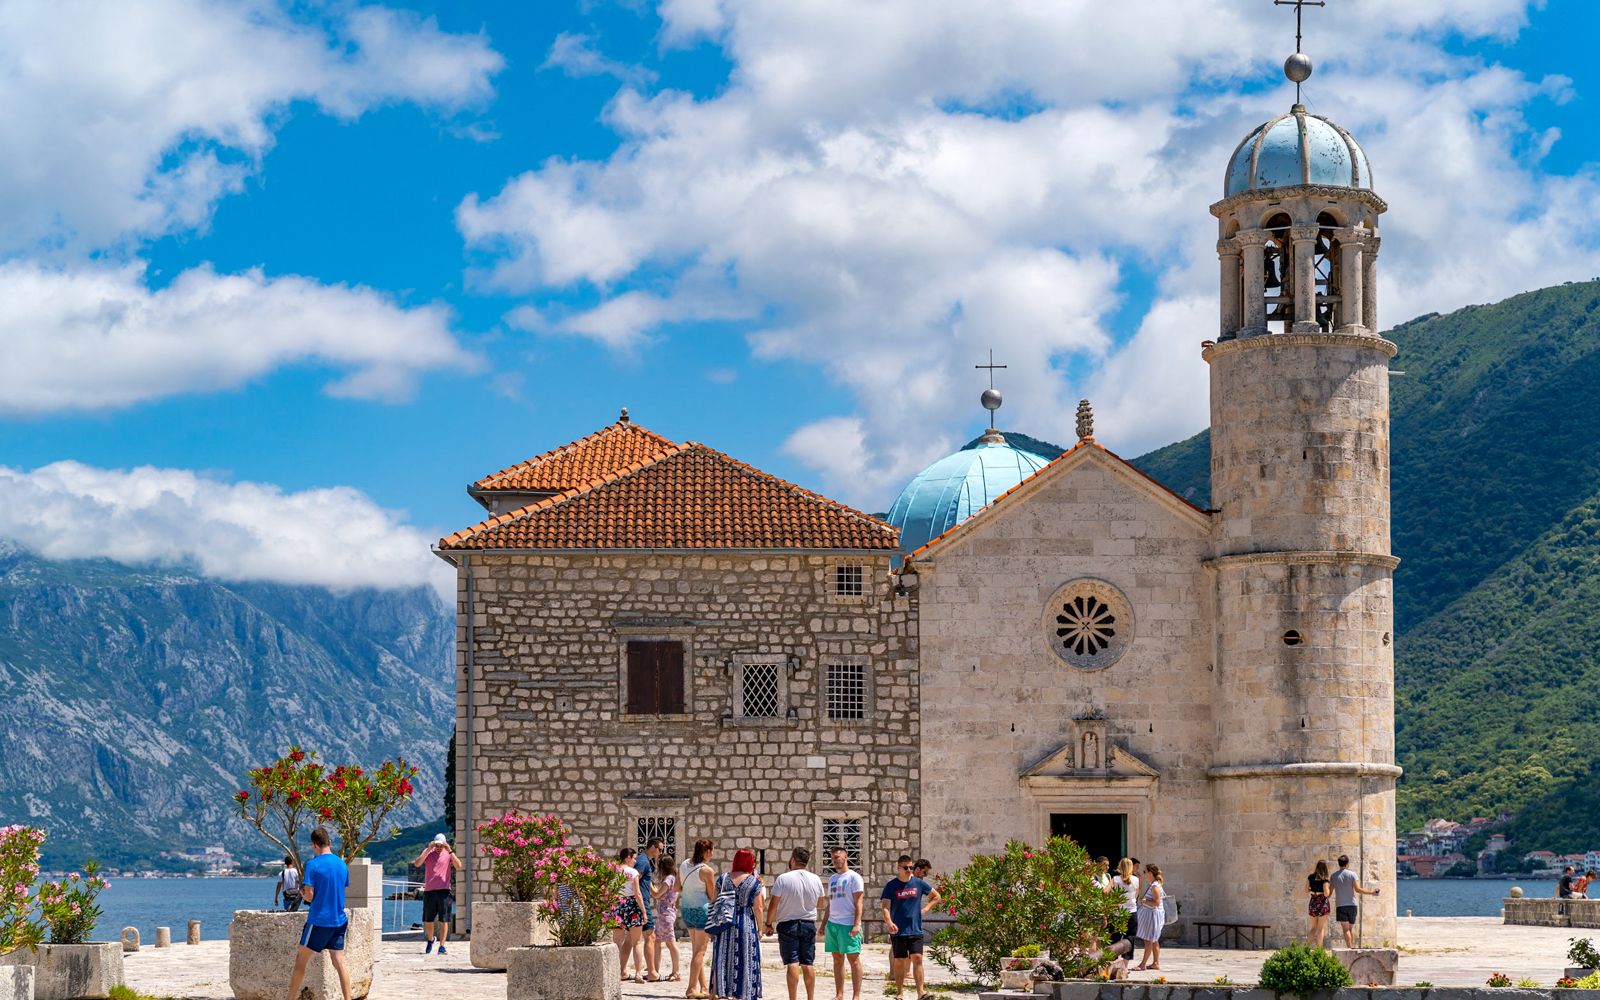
(549, 730)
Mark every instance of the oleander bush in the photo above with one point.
(1302, 970)
(1582, 952)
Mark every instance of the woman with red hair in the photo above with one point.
(736, 954)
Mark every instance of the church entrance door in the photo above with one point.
(1101, 834)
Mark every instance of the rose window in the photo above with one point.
(1088, 624)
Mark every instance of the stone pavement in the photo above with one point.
(1446, 951)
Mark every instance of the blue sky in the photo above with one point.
(293, 276)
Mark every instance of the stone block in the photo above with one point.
(550, 973)
(261, 946)
(16, 982)
(500, 926)
(1078, 989)
(163, 937)
(1254, 994)
(1400, 993)
(1369, 965)
(130, 939)
(71, 971)
(1454, 993)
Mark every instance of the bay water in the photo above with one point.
(148, 903)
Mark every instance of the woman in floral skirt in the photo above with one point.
(736, 953)
(629, 932)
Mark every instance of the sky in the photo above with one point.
(278, 280)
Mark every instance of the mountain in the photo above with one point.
(1496, 507)
(133, 700)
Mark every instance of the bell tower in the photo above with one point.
(1302, 572)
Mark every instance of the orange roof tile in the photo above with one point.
(687, 497)
(607, 450)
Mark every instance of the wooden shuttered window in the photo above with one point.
(655, 678)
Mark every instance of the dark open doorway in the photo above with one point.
(1101, 834)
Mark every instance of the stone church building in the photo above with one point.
(656, 638)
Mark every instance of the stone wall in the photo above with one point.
(549, 731)
(1143, 991)
(996, 699)
(1552, 912)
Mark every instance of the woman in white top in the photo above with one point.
(1126, 882)
(699, 881)
(1152, 917)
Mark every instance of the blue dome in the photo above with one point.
(1297, 148)
(957, 486)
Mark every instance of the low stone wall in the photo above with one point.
(1145, 991)
(1553, 912)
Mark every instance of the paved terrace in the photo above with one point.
(1445, 951)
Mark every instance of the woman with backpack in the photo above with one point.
(736, 950)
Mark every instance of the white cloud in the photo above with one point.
(890, 189)
(575, 54)
(334, 537)
(91, 338)
(124, 121)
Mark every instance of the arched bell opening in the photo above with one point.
(1278, 274)
(1326, 270)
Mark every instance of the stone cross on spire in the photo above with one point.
(1085, 421)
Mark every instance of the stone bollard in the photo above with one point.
(163, 937)
(194, 932)
(130, 939)
(1408, 913)
(1516, 892)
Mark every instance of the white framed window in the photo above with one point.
(761, 688)
(846, 690)
(842, 828)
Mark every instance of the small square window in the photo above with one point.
(849, 581)
(759, 690)
(845, 691)
(841, 833)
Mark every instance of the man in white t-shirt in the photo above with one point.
(845, 891)
(797, 906)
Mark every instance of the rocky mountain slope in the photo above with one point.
(132, 700)
(1496, 480)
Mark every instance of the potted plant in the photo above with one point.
(65, 963)
(19, 930)
(580, 890)
(1583, 958)
(284, 800)
(515, 846)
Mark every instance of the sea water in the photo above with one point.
(148, 903)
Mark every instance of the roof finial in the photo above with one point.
(1298, 66)
(991, 400)
(1085, 421)
(624, 418)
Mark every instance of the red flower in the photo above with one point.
(326, 813)
(242, 796)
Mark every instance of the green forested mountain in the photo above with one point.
(1496, 479)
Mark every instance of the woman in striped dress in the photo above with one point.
(1152, 917)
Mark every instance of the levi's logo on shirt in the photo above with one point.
(909, 892)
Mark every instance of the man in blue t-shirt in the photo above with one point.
(322, 885)
(905, 899)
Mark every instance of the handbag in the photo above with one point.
(719, 917)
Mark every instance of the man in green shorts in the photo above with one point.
(843, 927)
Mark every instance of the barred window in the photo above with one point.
(841, 833)
(845, 691)
(665, 827)
(849, 581)
(759, 690)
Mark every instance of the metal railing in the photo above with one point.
(404, 892)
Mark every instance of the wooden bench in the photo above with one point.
(1229, 934)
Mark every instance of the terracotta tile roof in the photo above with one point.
(607, 450)
(687, 497)
(1059, 460)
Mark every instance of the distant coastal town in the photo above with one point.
(1446, 849)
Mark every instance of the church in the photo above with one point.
(657, 639)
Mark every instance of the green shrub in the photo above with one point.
(1581, 952)
(1026, 951)
(1422, 984)
(1527, 983)
(1302, 970)
(1044, 896)
(1589, 982)
(1499, 979)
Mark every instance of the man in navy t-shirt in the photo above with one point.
(322, 885)
(905, 899)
